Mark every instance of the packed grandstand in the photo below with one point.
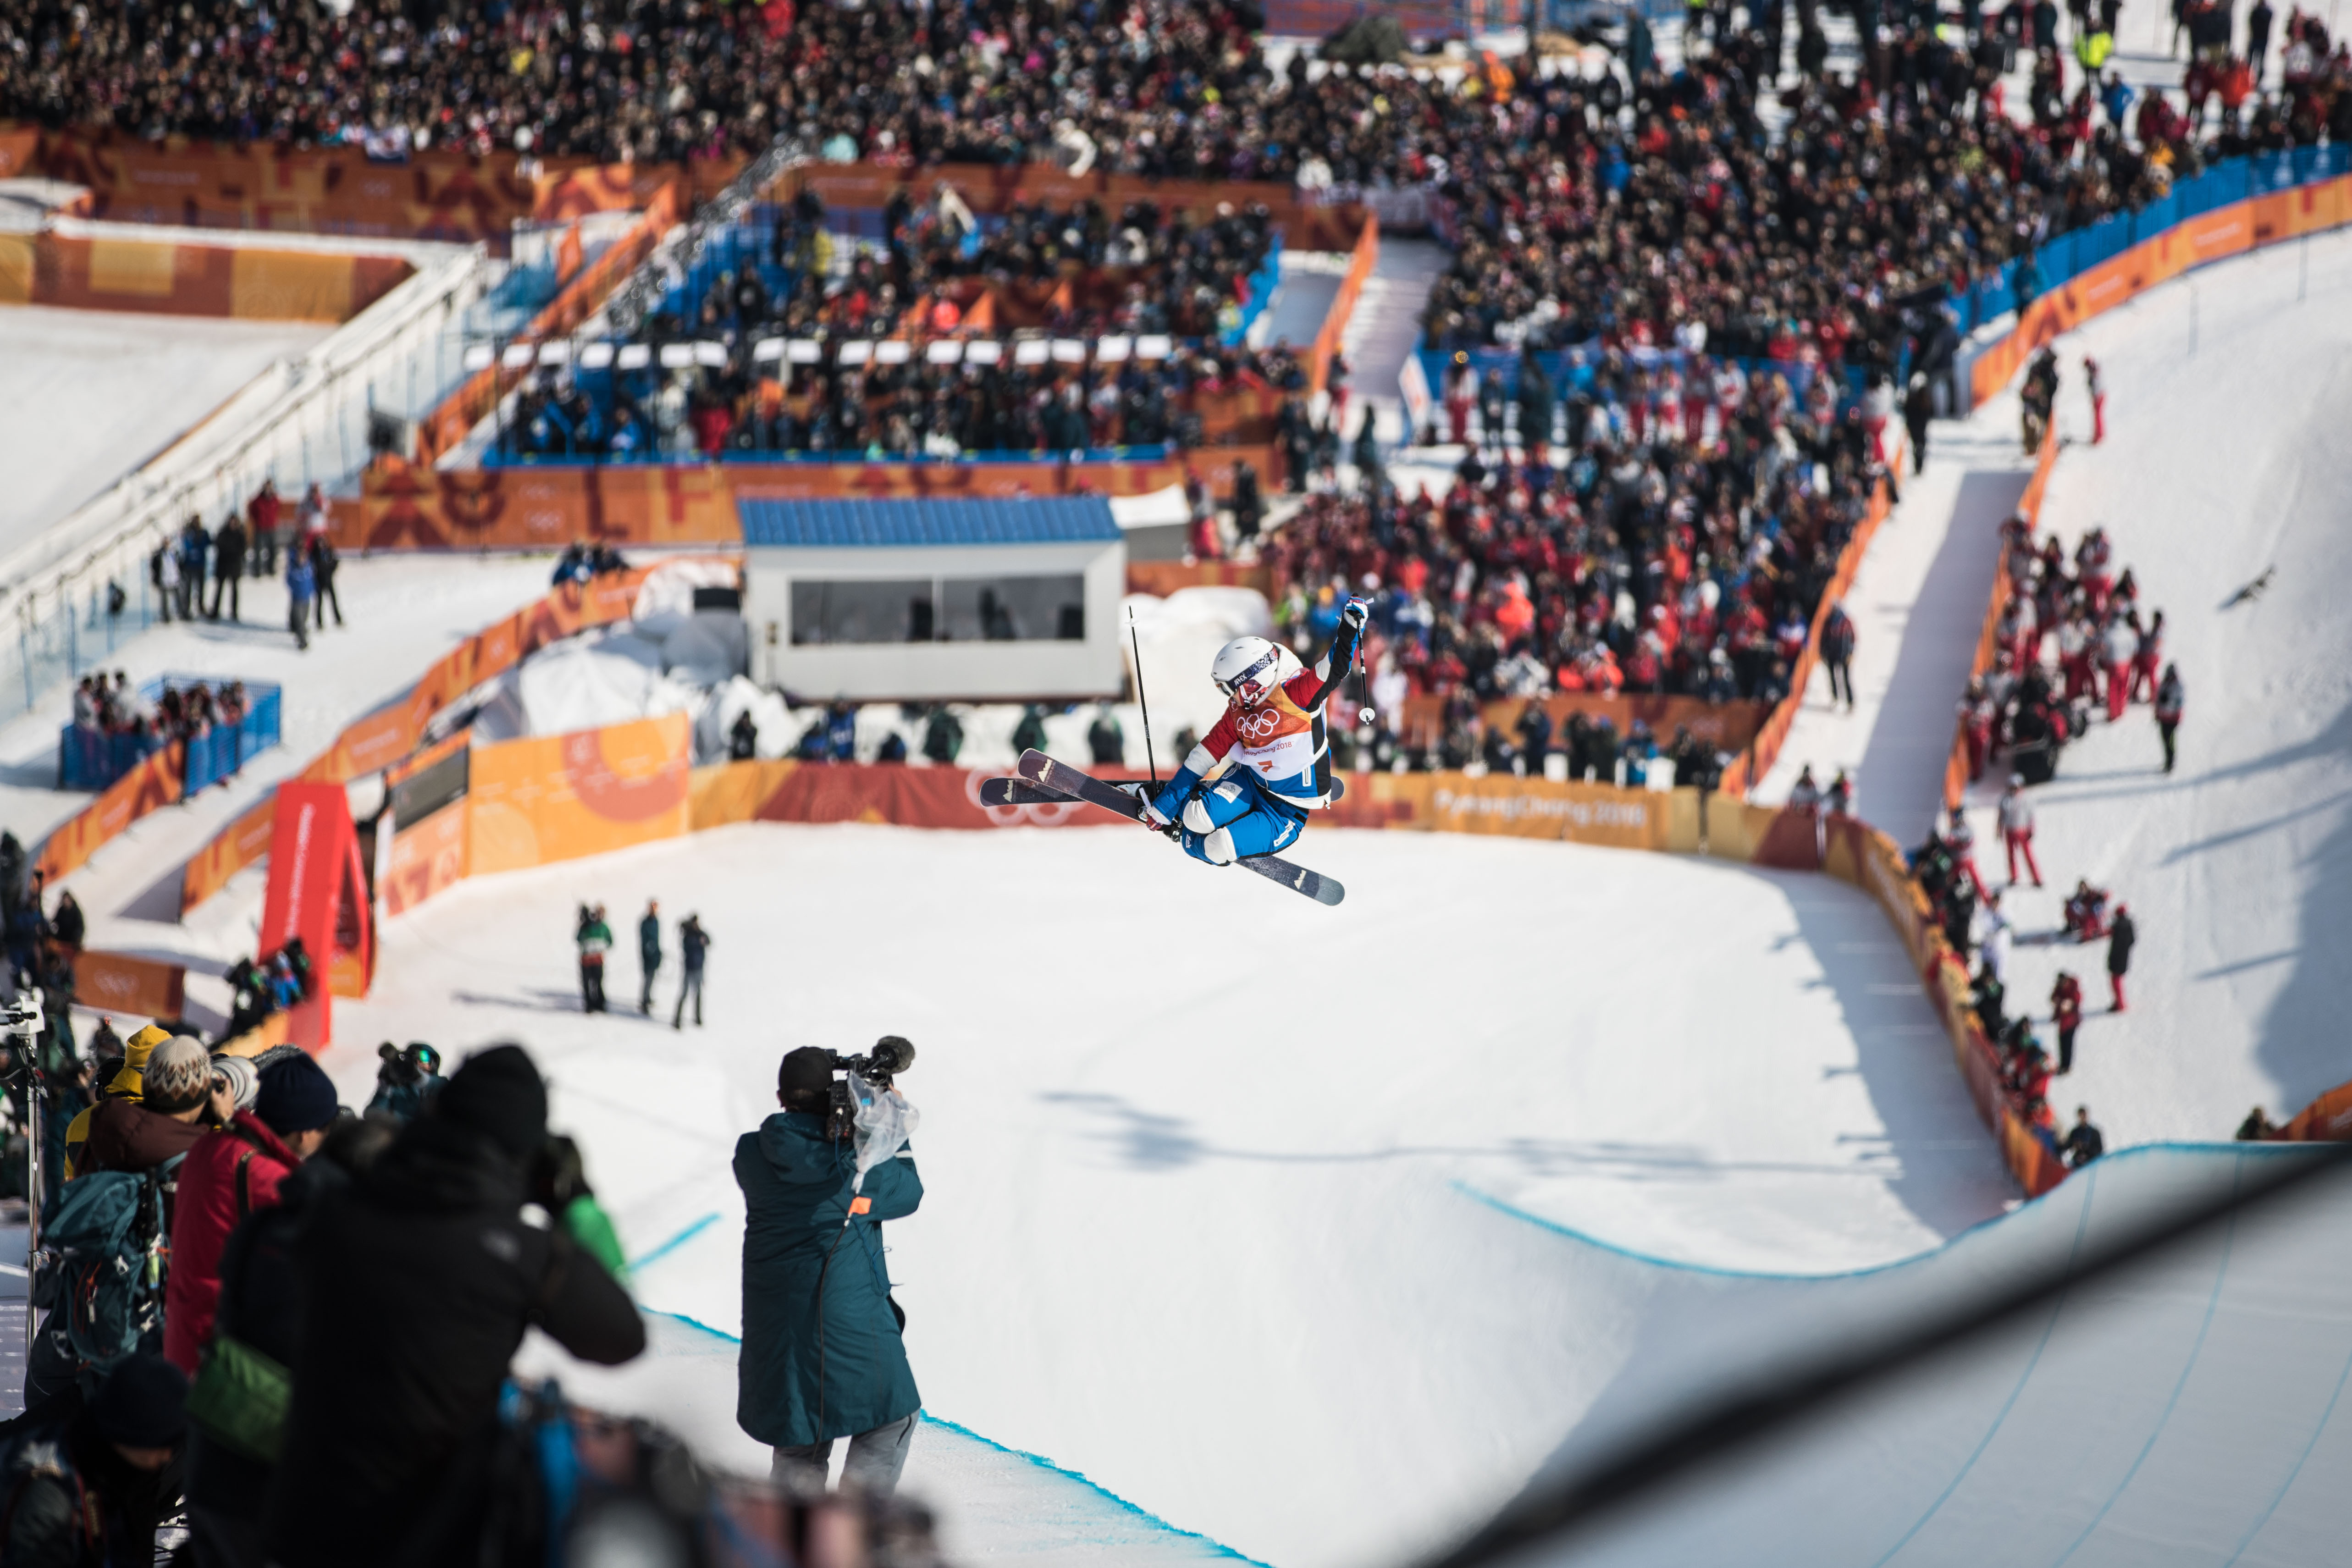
(745, 437)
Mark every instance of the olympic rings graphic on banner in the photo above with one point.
(1043, 814)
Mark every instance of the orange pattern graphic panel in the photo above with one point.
(152, 785)
(122, 985)
(426, 858)
(559, 797)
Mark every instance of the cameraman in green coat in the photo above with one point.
(822, 1357)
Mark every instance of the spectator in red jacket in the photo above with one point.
(226, 1176)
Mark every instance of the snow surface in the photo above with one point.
(1245, 1272)
(2226, 455)
(92, 394)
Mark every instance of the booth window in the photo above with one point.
(863, 610)
(955, 609)
(1015, 610)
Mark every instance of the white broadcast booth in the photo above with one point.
(934, 600)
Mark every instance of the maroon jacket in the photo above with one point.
(124, 1135)
(226, 1176)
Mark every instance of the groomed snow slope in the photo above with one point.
(1213, 1172)
(91, 394)
(2227, 456)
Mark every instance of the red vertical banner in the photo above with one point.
(317, 892)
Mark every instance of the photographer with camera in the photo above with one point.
(822, 1355)
(419, 1279)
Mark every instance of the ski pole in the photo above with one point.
(1143, 702)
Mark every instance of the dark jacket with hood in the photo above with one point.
(418, 1283)
(808, 1374)
(60, 1477)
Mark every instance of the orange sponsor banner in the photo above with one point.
(166, 277)
(1506, 804)
(121, 984)
(405, 508)
(245, 842)
(1366, 255)
(2327, 1119)
(154, 783)
(427, 858)
(1162, 578)
(559, 797)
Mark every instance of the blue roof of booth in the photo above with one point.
(1056, 519)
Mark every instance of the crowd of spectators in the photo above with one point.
(188, 711)
(905, 409)
(1644, 555)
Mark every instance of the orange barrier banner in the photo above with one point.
(432, 195)
(154, 783)
(427, 858)
(120, 984)
(559, 797)
(2159, 258)
(1956, 770)
(1727, 726)
(243, 843)
(1764, 747)
(402, 508)
(1503, 803)
(1366, 254)
(2327, 1120)
(165, 278)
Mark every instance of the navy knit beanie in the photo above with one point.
(499, 1092)
(143, 1403)
(297, 1096)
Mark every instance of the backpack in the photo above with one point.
(106, 1256)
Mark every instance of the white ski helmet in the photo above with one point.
(1246, 669)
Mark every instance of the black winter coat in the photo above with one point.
(2120, 936)
(417, 1284)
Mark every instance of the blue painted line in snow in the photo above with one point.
(673, 1243)
(958, 1427)
(2285, 1486)
(2212, 1305)
(1146, 1515)
(2082, 1225)
(2139, 1150)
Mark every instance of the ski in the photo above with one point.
(1062, 779)
(1021, 792)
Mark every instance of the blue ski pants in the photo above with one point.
(1238, 817)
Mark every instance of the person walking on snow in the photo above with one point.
(2016, 828)
(2067, 1012)
(2120, 936)
(594, 938)
(2098, 390)
(301, 584)
(1274, 735)
(2146, 654)
(1993, 946)
(1805, 794)
(2118, 644)
(693, 945)
(2169, 699)
(649, 955)
(1837, 652)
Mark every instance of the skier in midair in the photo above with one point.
(1273, 733)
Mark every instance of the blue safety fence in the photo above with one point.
(2068, 256)
(90, 759)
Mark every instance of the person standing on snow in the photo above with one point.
(693, 950)
(2120, 936)
(1994, 944)
(1273, 732)
(594, 938)
(301, 583)
(2169, 699)
(2067, 1012)
(2098, 390)
(1837, 653)
(649, 955)
(2016, 828)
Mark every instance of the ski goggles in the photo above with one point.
(1248, 679)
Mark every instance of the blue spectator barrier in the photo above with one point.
(91, 760)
